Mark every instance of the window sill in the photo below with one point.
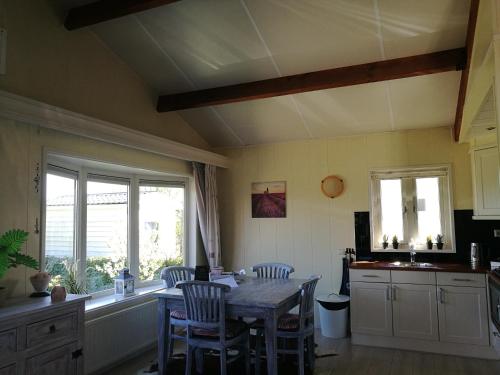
(418, 251)
(108, 304)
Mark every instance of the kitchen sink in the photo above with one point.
(408, 264)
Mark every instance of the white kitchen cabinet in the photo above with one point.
(463, 315)
(414, 309)
(486, 183)
(371, 308)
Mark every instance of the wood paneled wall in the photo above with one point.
(317, 228)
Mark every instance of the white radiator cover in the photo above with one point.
(120, 334)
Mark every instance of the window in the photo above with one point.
(412, 204)
(161, 227)
(98, 222)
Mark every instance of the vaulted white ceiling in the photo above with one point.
(195, 44)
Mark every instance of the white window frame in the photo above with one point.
(408, 174)
(80, 229)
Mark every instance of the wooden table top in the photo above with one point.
(431, 267)
(252, 291)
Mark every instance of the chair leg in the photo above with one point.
(247, 354)
(223, 362)
(257, 351)
(172, 332)
(300, 349)
(310, 352)
(189, 359)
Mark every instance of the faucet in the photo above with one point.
(412, 252)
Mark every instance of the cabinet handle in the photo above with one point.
(52, 329)
(441, 295)
(394, 292)
(463, 280)
(388, 293)
(370, 276)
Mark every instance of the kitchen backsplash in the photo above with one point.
(466, 231)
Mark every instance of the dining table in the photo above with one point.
(259, 298)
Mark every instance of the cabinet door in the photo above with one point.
(414, 309)
(8, 370)
(463, 315)
(56, 361)
(486, 182)
(371, 310)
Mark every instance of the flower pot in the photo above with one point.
(40, 282)
(395, 245)
(385, 245)
(429, 245)
(3, 295)
(440, 245)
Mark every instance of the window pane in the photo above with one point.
(59, 225)
(392, 208)
(161, 229)
(107, 233)
(428, 208)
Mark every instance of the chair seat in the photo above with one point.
(178, 314)
(234, 328)
(286, 322)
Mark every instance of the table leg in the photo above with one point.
(163, 335)
(271, 344)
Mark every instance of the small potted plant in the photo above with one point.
(395, 242)
(11, 257)
(439, 241)
(385, 239)
(429, 243)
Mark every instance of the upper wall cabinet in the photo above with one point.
(486, 183)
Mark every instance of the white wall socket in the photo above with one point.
(496, 232)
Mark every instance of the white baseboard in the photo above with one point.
(438, 347)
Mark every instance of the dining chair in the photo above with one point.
(273, 270)
(207, 327)
(295, 326)
(171, 276)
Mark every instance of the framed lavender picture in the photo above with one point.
(269, 199)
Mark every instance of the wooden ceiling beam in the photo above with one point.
(105, 10)
(469, 44)
(405, 67)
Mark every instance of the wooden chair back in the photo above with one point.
(173, 274)
(273, 270)
(306, 306)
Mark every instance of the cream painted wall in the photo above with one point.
(317, 227)
(21, 148)
(76, 71)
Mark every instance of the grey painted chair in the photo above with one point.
(207, 327)
(171, 276)
(293, 326)
(273, 270)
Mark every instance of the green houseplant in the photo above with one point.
(385, 239)
(429, 243)
(395, 242)
(10, 255)
(439, 241)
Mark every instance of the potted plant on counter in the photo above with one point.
(385, 239)
(395, 242)
(439, 241)
(11, 257)
(429, 243)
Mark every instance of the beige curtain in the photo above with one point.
(205, 180)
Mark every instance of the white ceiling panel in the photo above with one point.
(425, 101)
(213, 42)
(416, 27)
(208, 123)
(275, 119)
(346, 110)
(304, 36)
(129, 40)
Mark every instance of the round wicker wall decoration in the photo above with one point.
(332, 186)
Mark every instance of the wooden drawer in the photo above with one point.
(461, 279)
(8, 343)
(59, 361)
(49, 331)
(8, 370)
(413, 277)
(373, 276)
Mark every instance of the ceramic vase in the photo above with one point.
(40, 282)
(58, 294)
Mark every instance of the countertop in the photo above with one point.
(405, 266)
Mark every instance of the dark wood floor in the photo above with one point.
(351, 360)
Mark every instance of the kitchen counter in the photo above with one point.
(406, 266)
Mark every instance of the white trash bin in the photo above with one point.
(333, 315)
